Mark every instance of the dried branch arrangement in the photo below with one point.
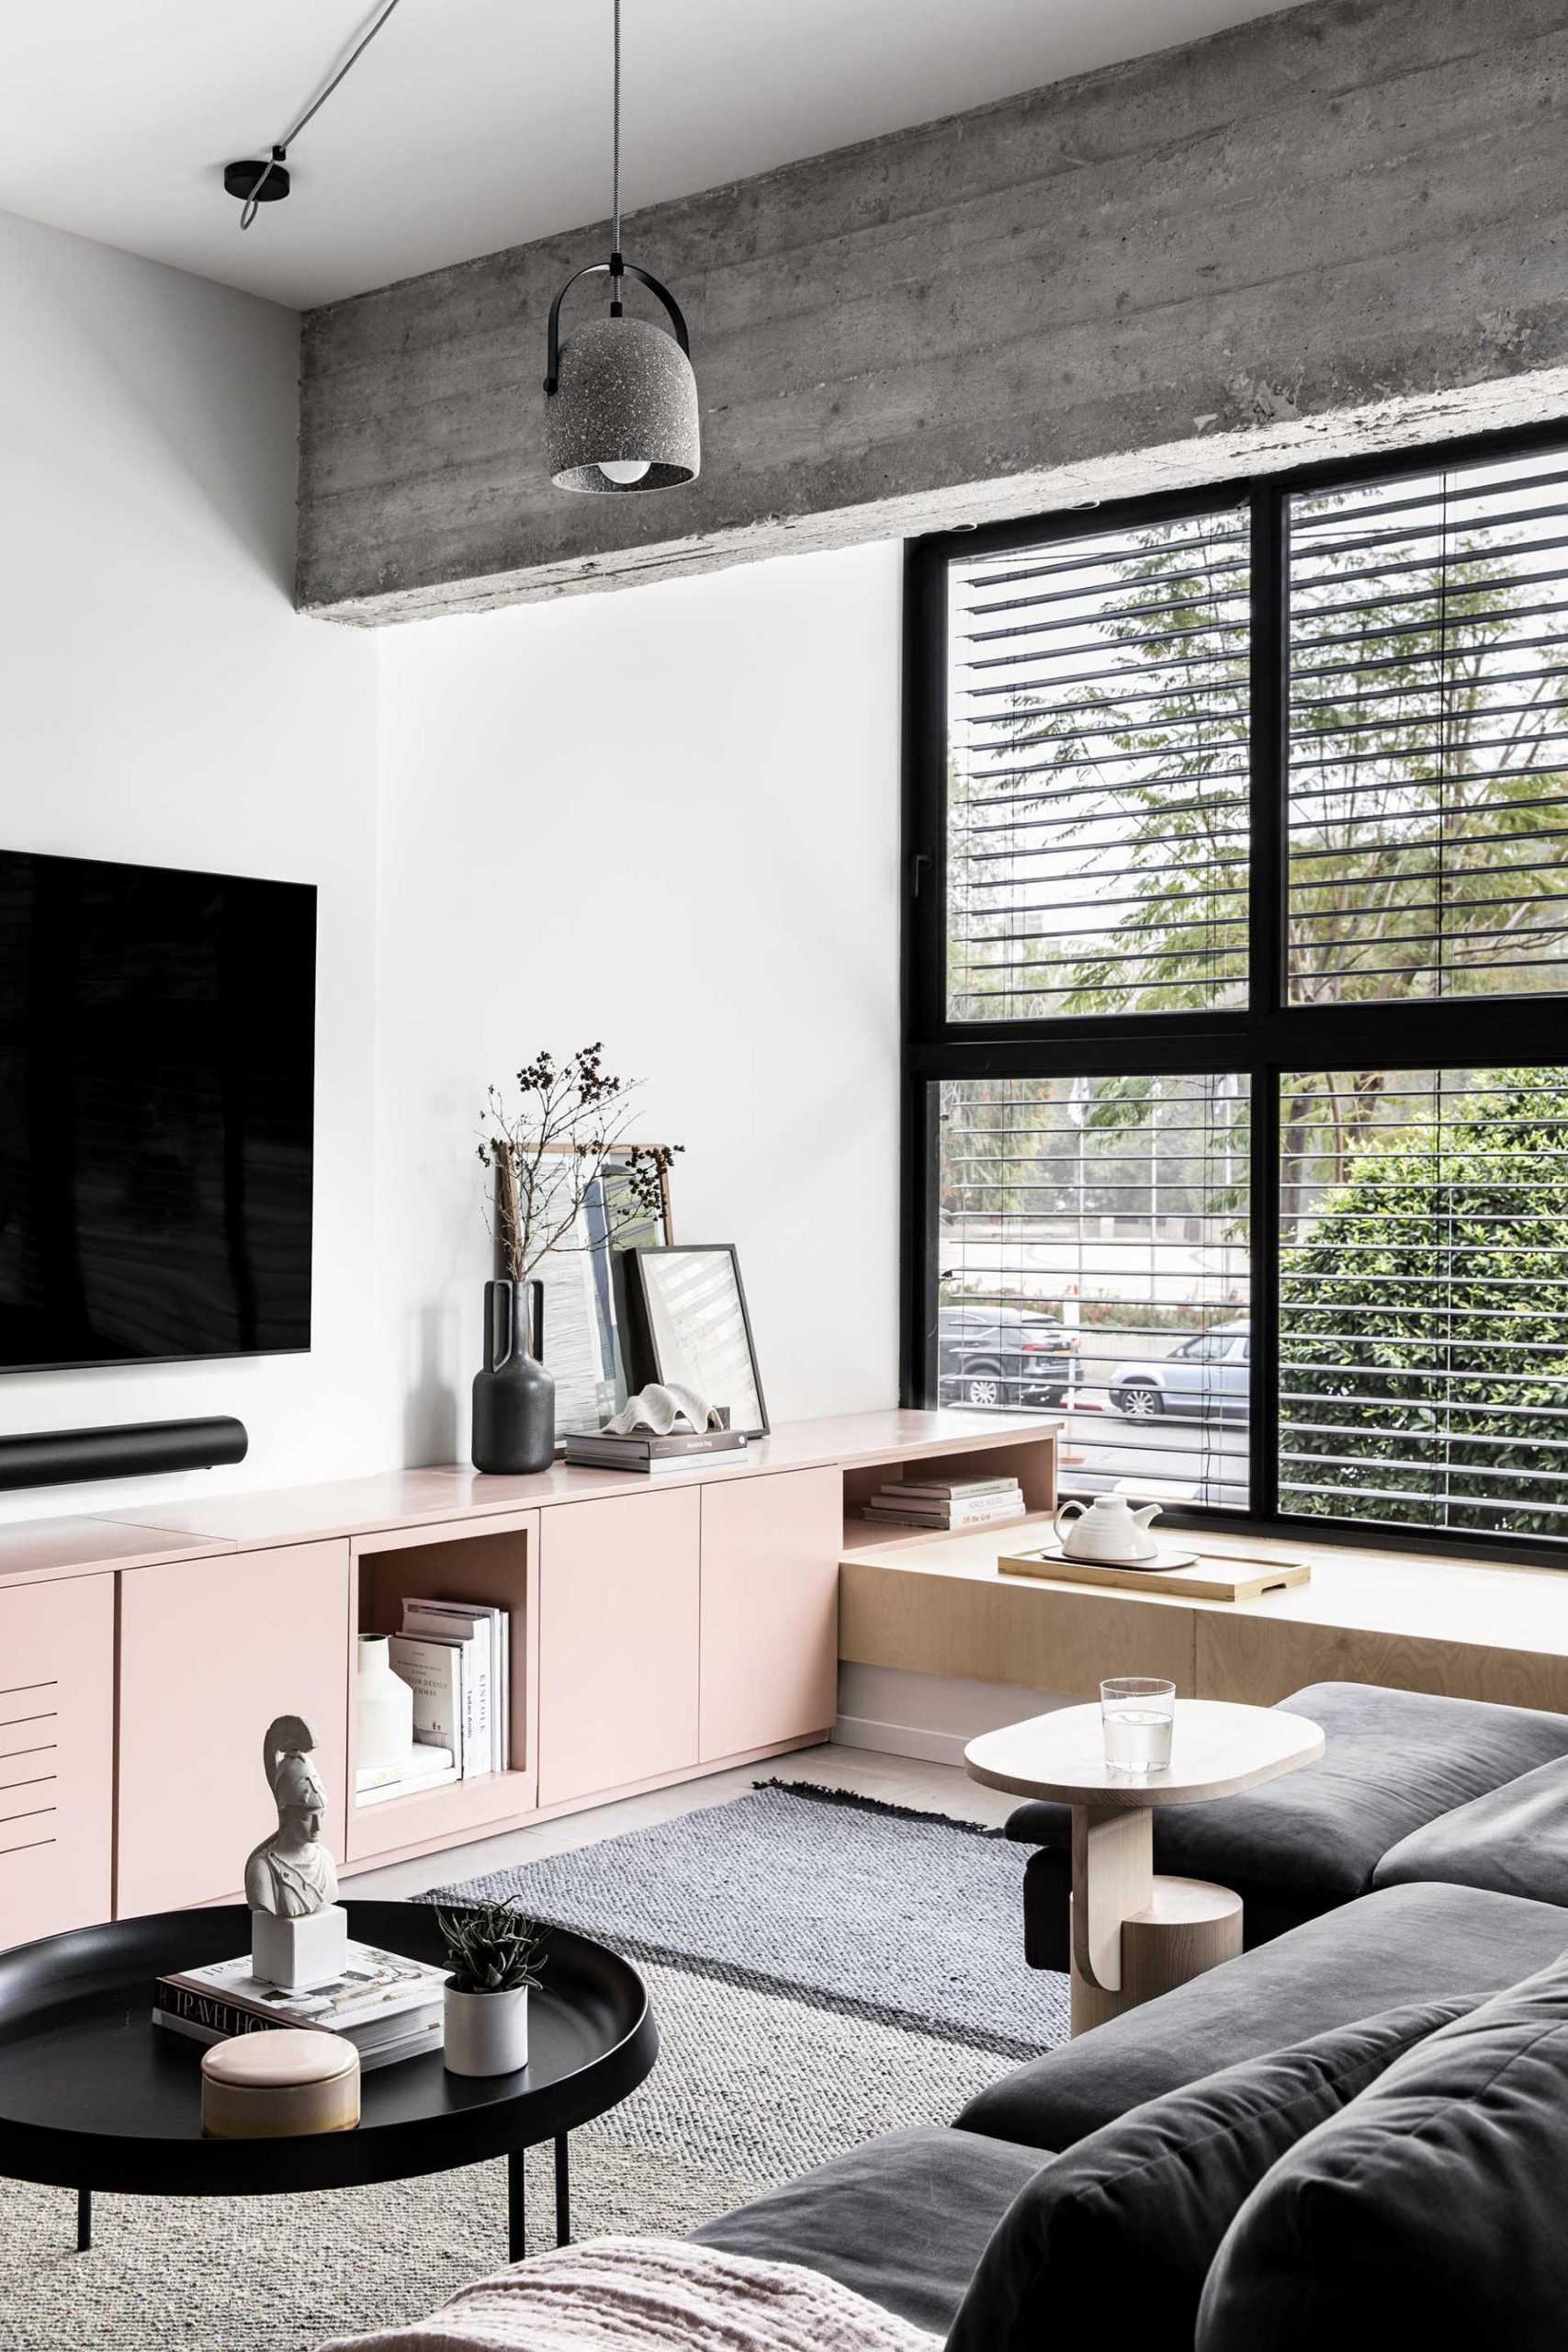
(549, 1150)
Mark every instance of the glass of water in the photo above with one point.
(1137, 1713)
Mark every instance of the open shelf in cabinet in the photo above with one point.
(1033, 1465)
(494, 1561)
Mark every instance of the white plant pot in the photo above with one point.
(487, 2033)
(385, 1708)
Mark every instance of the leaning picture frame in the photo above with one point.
(585, 1351)
(687, 1323)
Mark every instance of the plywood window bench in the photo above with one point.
(1471, 1628)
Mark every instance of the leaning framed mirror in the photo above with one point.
(693, 1328)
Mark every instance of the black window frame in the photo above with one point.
(1263, 1040)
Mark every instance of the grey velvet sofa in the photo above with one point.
(1357, 2129)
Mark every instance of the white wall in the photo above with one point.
(667, 819)
(161, 702)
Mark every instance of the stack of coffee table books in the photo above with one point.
(643, 1451)
(946, 1502)
(388, 2007)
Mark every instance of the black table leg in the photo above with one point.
(83, 2220)
(515, 2235)
(563, 2194)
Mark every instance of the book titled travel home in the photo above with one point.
(387, 2006)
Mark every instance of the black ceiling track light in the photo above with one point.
(621, 400)
(621, 411)
(267, 181)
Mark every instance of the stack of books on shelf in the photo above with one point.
(428, 1768)
(946, 1502)
(387, 2006)
(456, 1658)
(642, 1451)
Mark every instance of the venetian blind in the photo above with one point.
(1424, 1298)
(1097, 749)
(1428, 666)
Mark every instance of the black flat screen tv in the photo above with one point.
(157, 1098)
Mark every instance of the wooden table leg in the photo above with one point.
(1134, 1935)
(83, 2220)
(516, 2236)
(1190, 1926)
(1114, 1876)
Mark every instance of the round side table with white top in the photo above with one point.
(1134, 1935)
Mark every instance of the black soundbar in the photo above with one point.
(139, 1449)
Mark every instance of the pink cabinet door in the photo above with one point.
(210, 1651)
(617, 1642)
(56, 1756)
(770, 1651)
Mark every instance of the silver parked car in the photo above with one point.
(1206, 1375)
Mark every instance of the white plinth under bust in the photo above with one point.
(299, 1953)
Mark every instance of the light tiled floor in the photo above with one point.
(897, 1780)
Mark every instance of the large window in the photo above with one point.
(1237, 1076)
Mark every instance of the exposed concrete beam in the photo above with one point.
(1339, 227)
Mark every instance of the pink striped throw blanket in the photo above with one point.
(650, 2295)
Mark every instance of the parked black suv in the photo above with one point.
(1003, 1355)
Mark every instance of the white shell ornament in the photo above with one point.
(662, 1410)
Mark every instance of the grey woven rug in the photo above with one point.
(904, 1919)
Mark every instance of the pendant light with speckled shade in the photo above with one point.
(621, 400)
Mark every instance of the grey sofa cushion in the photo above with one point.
(1515, 1840)
(1151, 2195)
(1395, 1759)
(1410, 1943)
(903, 2220)
(1429, 2211)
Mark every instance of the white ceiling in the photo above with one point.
(473, 124)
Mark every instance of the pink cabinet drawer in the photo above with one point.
(210, 1651)
(618, 1607)
(770, 1608)
(56, 1756)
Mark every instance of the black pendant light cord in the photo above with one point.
(280, 151)
(615, 145)
(617, 265)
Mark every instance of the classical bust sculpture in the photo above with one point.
(289, 1874)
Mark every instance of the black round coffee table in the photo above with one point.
(93, 2095)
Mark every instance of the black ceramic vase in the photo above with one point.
(515, 1397)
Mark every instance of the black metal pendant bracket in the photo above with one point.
(615, 268)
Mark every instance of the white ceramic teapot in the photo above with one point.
(1108, 1529)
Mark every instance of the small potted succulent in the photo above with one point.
(494, 1953)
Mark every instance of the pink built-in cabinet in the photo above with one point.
(681, 1629)
(659, 1629)
(770, 1611)
(56, 1756)
(618, 1632)
(209, 1652)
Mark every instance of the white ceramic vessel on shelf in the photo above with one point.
(487, 2033)
(1108, 1529)
(384, 1703)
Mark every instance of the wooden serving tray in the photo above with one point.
(1233, 1578)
